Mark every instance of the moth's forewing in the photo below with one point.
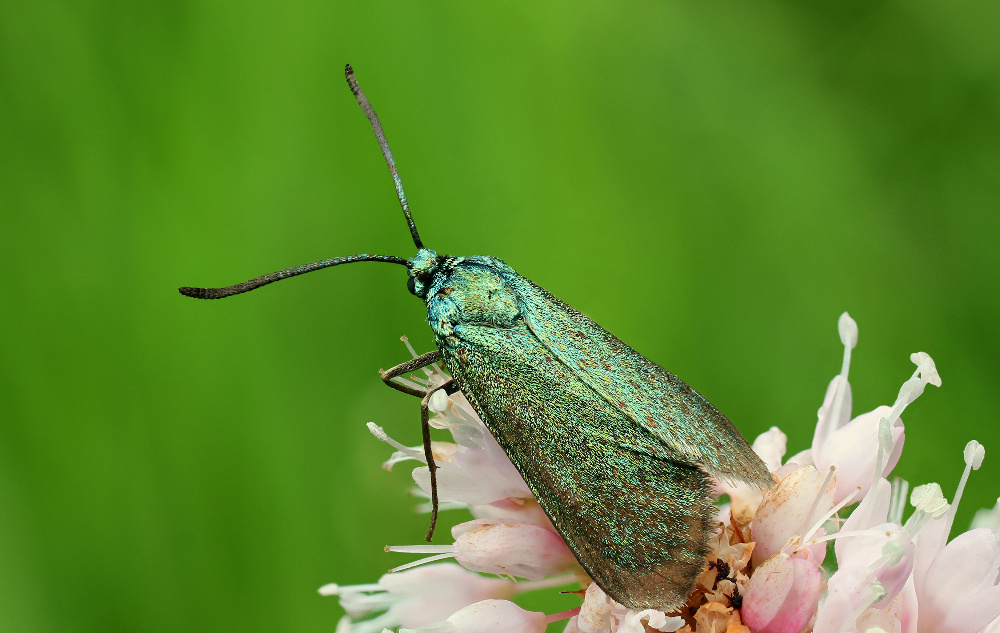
(634, 509)
(666, 409)
(637, 522)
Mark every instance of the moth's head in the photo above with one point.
(424, 266)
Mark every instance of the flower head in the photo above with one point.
(767, 566)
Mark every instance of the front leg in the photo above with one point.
(450, 387)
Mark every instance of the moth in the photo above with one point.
(618, 451)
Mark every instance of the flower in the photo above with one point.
(502, 546)
(488, 616)
(766, 569)
(415, 597)
(782, 594)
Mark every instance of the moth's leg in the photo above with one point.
(404, 368)
(425, 426)
(425, 394)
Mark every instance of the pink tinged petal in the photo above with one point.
(834, 413)
(489, 465)
(789, 509)
(433, 592)
(595, 613)
(874, 620)
(894, 574)
(804, 458)
(907, 607)
(782, 595)
(853, 449)
(817, 552)
(489, 616)
(861, 550)
(848, 591)
(959, 592)
(517, 508)
(873, 510)
(505, 547)
(992, 627)
(637, 621)
(770, 446)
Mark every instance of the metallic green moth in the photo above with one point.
(618, 451)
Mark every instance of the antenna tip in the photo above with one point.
(197, 293)
(348, 70)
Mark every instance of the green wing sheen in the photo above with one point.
(666, 410)
(637, 519)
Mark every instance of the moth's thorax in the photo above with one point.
(470, 291)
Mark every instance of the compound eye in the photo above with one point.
(411, 285)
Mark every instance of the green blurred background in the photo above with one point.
(714, 184)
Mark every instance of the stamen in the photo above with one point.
(819, 495)
(546, 583)
(884, 447)
(826, 517)
(843, 534)
(422, 561)
(413, 453)
(409, 347)
(421, 549)
(409, 383)
(929, 504)
(892, 552)
(973, 455)
(897, 500)
(848, 330)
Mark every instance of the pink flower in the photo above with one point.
(957, 584)
(791, 509)
(499, 546)
(782, 595)
(762, 572)
(601, 614)
(959, 593)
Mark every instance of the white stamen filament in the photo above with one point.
(378, 432)
(826, 517)
(410, 383)
(884, 447)
(843, 534)
(897, 500)
(819, 496)
(421, 549)
(422, 561)
(973, 455)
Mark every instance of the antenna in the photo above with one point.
(386, 152)
(263, 280)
